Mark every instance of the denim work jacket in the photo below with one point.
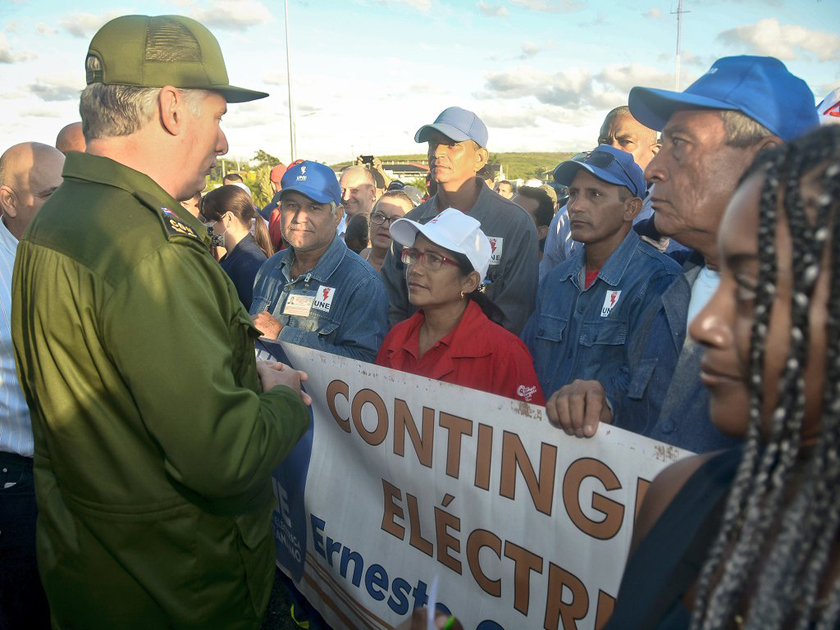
(665, 399)
(578, 333)
(339, 307)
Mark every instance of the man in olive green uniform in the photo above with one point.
(156, 431)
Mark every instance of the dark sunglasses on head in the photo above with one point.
(602, 159)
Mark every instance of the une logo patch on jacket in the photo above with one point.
(324, 298)
(610, 300)
(496, 244)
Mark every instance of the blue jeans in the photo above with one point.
(23, 603)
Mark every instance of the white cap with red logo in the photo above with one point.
(452, 230)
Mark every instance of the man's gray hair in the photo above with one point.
(119, 110)
(741, 130)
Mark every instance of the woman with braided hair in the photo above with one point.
(751, 537)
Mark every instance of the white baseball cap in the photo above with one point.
(452, 230)
(829, 109)
(243, 186)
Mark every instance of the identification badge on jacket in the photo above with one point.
(299, 304)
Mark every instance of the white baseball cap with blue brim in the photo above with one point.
(452, 230)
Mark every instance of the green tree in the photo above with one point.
(265, 159)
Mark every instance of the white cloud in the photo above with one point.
(274, 78)
(85, 25)
(574, 87)
(492, 10)
(529, 49)
(7, 55)
(625, 78)
(419, 5)
(599, 20)
(567, 88)
(654, 13)
(552, 6)
(509, 120)
(785, 41)
(12, 27)
(42, 113)
(56, 88)
(45, 29)
(233, 14)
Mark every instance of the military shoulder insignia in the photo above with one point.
(174, 224)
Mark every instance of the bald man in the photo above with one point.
(71, 138)
(29, 173)
(358, 190)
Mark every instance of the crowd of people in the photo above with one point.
(682, 287)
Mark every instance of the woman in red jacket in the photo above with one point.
(451, 338)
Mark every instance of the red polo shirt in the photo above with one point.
(477, 354)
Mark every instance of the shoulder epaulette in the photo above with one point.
(172, 223)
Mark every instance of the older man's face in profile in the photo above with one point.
(208, 141)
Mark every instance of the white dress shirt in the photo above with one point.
(15, 423)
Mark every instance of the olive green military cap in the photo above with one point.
(153, 51)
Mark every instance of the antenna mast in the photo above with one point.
(679, 13)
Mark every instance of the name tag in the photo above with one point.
(298, 304)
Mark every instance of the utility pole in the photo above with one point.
(292, 140)
(679, 13)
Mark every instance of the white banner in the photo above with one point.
(403, 482)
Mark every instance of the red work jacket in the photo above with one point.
(477, 354)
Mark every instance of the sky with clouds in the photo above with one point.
(368, 73)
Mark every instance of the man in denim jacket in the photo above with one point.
(317, 293)
(711, 133)
(588, 306)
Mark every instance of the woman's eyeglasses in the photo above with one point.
(429, 260)
(377, 218)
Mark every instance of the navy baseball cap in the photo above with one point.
(316, 181)
(760, 87)
(457, 124)
(608, 164)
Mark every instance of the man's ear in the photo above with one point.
(542, 232)
(8, 201)
(768, 143)
(654, 148)
(172, 109)
(339, 214)
(481, 157)
(632, 208)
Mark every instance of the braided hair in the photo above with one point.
(778, 482)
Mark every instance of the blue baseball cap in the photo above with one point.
(608, 164)
(457, 124)
(316, 181)
(760, 87)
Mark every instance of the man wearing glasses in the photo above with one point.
(588, 306)
(317, 293)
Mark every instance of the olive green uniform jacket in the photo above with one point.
(154, 445)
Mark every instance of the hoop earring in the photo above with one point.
(463, 295)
